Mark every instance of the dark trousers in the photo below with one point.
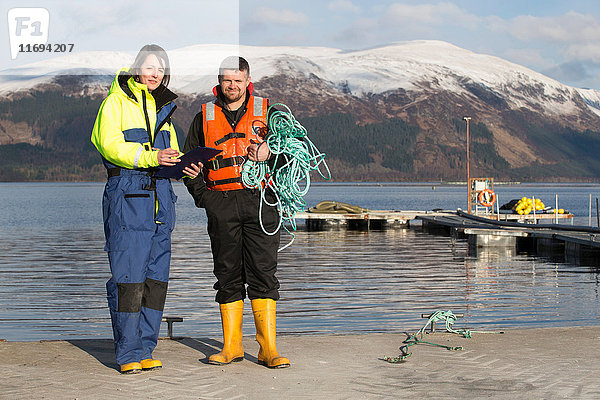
(242, 253)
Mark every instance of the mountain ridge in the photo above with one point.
(426, 84)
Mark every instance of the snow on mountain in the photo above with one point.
(412, 66)
(428, 66)
(591, 97)
(94, 66)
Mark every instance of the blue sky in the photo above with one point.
(558, 38)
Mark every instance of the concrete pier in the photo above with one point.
(549, 363)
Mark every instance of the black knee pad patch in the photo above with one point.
(130, 297)
(155, 294)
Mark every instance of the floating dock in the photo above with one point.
(521, 233)
(383, 219)
(577, 244)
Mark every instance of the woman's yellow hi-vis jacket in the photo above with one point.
(132, 124)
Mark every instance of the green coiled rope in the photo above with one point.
(417, 338)
(288, 140)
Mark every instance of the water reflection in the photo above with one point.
(52, 284)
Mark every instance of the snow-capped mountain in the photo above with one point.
(412, 66)
(425, 83)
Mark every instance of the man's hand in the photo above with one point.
(259, 151)
(193, 170)
(168, 157)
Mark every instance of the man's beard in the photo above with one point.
(233, 97)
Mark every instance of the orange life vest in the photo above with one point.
(224, 172)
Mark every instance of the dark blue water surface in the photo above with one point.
(53, 269)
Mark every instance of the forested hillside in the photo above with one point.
(52, 135)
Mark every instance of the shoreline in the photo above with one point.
(409, 183)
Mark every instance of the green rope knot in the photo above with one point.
(465, 333)
(417, 338)
(397, 360)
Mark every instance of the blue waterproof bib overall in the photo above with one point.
(139, 216)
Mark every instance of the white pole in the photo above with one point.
(590, 212)
(497, 207)
(556, 209)
(533, 201)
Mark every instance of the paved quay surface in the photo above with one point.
(549, 363)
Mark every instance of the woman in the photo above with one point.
(134, 134)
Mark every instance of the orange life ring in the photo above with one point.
(487, 197)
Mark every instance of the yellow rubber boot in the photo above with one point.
(150, 363)
(131, 368)
(264, 319)
(231, 319)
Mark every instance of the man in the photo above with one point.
(235, 122)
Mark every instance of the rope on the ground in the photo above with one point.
(288, 140)
(417, 338)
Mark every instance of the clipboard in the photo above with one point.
(199, 154)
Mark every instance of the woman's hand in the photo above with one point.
(168, 157)
(193, 170)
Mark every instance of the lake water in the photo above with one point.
(53, 269)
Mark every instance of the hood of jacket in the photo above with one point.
(125, 85)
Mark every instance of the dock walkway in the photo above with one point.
(372, 219)
(549, 363)
(383, 219)
(580, 245)
(577, 244)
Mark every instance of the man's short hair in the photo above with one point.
(234, 63)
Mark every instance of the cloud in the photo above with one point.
(400, 21)
(572, 72)
(362, 31)
(344, 6)
(124, 25)
(578, 35)
(431, 14)
(267, 15)
(568, 27)
(107, 17)
(584, 51)
(528, 56)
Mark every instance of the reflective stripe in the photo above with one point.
(258, 106)
(137, 156)
(210, 111)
